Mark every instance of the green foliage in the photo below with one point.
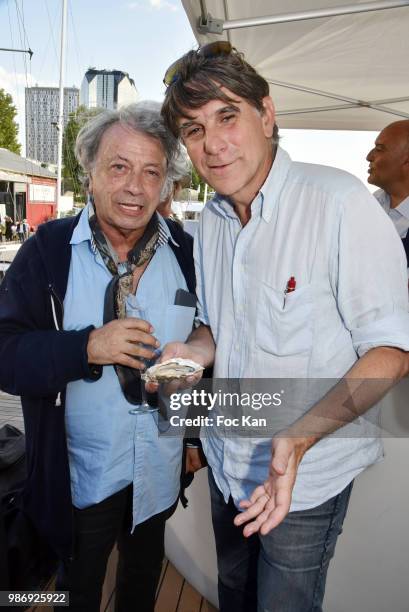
(8, 125)
(198, 182)
(72, 171)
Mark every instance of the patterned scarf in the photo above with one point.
(121, 284)
(120, 287)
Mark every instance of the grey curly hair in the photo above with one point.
(143, 117)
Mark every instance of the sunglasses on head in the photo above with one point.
(220, 47)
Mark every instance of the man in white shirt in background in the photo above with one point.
(389, 170)
(289, 286)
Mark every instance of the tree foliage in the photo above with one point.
(72, 171)
(8, 125)
(197, 181)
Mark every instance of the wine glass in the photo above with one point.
(144, 407)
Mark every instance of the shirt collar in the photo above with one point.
(274, 183)
(222, 206)
(82, 231)
(164, 232)
(269, 192)
(385, 201)
(403, 208)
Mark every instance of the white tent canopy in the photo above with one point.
(324, 73)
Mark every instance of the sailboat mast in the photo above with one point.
(61, 103)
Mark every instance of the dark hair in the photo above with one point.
(200, 79)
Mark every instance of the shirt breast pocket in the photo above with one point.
(284, 322)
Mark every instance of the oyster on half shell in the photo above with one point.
(171, 369)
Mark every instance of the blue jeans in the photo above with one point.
(284, 571)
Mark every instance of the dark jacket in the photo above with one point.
(406, 246)
(38, 360)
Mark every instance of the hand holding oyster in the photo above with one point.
(171, 369)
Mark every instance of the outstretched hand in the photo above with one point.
(185, 351)
(270, 502)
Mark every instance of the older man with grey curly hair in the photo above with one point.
(87, 301)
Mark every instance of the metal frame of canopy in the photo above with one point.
(207, 27)
(208, 24)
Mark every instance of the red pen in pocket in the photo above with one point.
(291, 285)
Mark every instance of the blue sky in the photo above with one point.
(141, 37)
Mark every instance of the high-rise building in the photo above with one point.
(42, 105)
(107, 89)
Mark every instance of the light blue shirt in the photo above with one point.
(399, 215)
(107, 447)
(320, 225)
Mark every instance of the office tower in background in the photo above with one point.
(42, 119)
(107, 89)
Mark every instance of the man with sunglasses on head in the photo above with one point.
(71, 348)
(288, 287)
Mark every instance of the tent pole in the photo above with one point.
(324, 109)
(317, 92)
(391, 100)
(350, 102)
(209, 24)
(203, 10)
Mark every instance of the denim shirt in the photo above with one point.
(109, 448)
